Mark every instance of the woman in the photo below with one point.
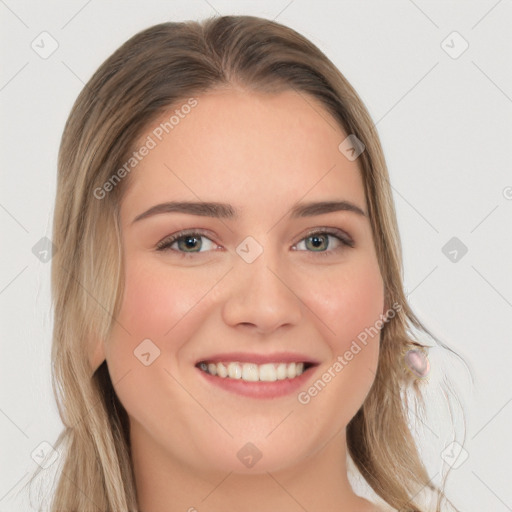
(231, 330)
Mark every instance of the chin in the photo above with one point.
(247, 457)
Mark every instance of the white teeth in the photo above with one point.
(268, 372)
(281, 371)
(234, 371)
(251, 372)
(221, 370)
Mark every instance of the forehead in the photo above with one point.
(247, 149)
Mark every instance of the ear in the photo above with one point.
(96, 354)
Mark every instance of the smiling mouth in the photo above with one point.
(251, 372)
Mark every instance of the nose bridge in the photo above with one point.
(261, 294)
(262, 277)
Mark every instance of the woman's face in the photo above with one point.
(263, 277)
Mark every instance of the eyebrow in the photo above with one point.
(226, 211)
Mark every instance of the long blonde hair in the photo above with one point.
(149, 74)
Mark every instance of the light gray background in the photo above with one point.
(446, 128)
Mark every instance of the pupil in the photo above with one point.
(190, 242)
(317, 241)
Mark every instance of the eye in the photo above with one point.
(186, 242)
(325, 241)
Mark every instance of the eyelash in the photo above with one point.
(346, 241)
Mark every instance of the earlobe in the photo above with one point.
(96, 354)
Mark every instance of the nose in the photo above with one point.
(261, 297)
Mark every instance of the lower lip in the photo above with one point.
(259, 389)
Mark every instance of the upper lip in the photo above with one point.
(246, 357)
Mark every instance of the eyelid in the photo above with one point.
(166, 242)
(340, 233)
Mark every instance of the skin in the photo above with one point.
(261, 154)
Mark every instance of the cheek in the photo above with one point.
(349, 306)
(155, 306)
(156, 298)
(349, 303)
